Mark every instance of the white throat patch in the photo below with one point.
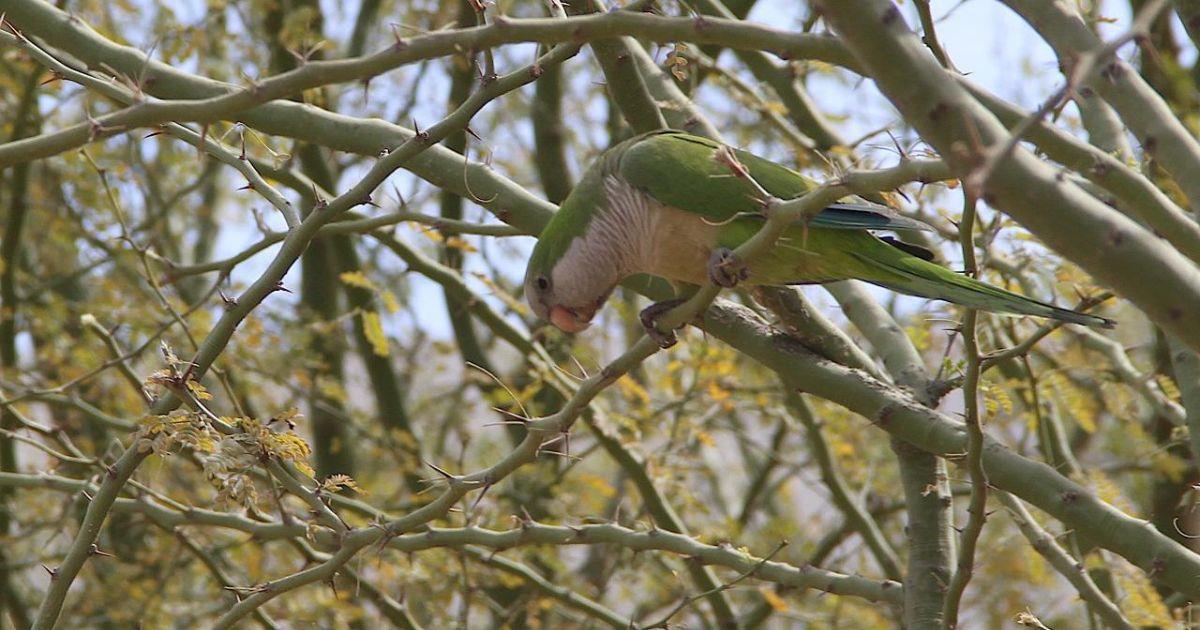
(617, 242)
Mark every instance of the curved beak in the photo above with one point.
(571, 320)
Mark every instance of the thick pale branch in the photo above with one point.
(1103, 242)
(1162, 134)
(807, 324)
(528, 534)
(905, 418)
(923, 475)
(1186, 363)
(806, 577)
(626, 84)
(1133, 190)
(217, 101)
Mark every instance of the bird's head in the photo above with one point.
(572, 270)
(570, 310)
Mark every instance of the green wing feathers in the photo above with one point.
(678, 169)
(899, 271)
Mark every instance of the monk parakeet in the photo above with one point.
(661, 204)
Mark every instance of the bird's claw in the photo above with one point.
(649, 317)
(725, 269)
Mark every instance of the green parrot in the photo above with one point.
(661, 203)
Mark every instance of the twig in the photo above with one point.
(929, 34)
(1079, 71)
(1071, 569)
(977, 510)
(687, 601)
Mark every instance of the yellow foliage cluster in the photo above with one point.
(1141, 602)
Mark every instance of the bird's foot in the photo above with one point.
(649, 317)
(725, 269)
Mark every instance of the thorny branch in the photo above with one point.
(342, 530)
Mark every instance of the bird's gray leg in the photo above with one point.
(725, 269)
(649, 317)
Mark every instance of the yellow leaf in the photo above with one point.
(199, 390)
(252, 332)
(995, 399)
(678, 63)
(1079, 404)
(1169, 465)
(822, 67)
(598, 484)
(457, 242)
(289, 416)
(722, 368)
(303, 467)
(508, 580)
(331, 389)
(1168, 387)
(357, 279)
(775, 107)
(373, 329)
(1142, 603)
(1109, 492)
(160, 377)
(389, 301)
(774, 600)
(716, 392)
(289, 447)
(633, 389)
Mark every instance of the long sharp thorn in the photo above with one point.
(441, 472)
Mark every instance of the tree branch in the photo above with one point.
(960, 129)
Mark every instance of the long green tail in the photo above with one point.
(905, 273)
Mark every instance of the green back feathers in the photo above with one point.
(678, 169)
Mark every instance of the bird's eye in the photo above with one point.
(542, 283)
